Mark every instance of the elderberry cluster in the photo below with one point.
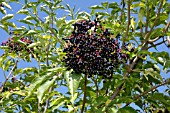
(18, 47)
(91, 50)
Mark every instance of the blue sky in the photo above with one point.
(80, 4)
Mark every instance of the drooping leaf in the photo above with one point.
(44, 88)
(73, 81)
(36, 83)
(141, 14)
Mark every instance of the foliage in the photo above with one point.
(143, 24)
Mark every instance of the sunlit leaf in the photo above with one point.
(97, 7)
(127, 109)
(7, 17)
(23, 11)
(2, 10)
(6, 5)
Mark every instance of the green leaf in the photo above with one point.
(83, 14)
(6, 5)
(31, 32)
(4, 27)
(57, 103)
(34, 44)
(164, 99)
(113, 5)
(127, 109)
(100, 100)
(141, 14)
(36, 83)
(7, 17)
(97, 7)
(26, 22)
(112, 110)
(45, 10)
(44, 88)
(23, 11)
(2, 10)
(167, 64)
(73, 81)
(7, 65)
(11, 24)
(133, 23)
(105, 4)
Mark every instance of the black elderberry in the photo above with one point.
(94, 53)
(18, 47)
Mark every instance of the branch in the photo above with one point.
(127, 29)
(84, 98)
(8, 76)
(116, 92)
(125, 75)
(154, 87)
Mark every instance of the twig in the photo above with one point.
(145, 42)
(154, 45)
(127, 29)
(154, 87)
(84, 98)
(97, 89)
(164, 31)
(8, 76)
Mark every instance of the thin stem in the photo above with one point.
(39, 107)
(154, 87)
(123, 6)
(84, 98)
(97, 89)
(47, 60)
(47, 101)
(8, 76)
(147, 17)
